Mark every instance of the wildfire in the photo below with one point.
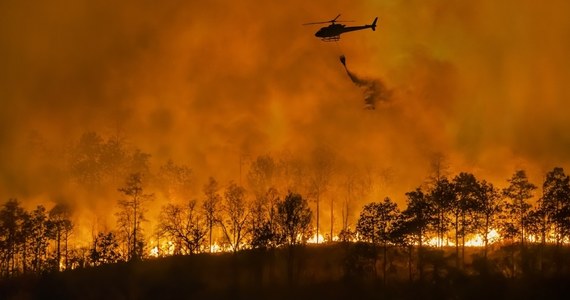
(314, 240)
(161, 249)
(215, 248)
(479, 241)
(476, 240)
(167, 247)
(154, 251)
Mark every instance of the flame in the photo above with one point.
(433, 242)
(474, 240)
(215, 248)
(478, 241)
(313, 239)
(154, 252)
(164, 248)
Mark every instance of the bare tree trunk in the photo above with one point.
(66, 252)
(24, 264)
(463, 240)
(210, 225)
(318, 196)
(410, 259)
(134, 251)
(420, 258)
(332, 218)
(58, 249)
(456, 241)
(486, 237)
(384, 263)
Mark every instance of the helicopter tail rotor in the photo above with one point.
(373, 26)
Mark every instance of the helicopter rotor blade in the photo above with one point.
(324, 22)
(313, 23)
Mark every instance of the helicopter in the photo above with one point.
(332, 32)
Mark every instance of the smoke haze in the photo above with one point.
(213, 84)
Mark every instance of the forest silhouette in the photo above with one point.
(455, 234)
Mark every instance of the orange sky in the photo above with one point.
(483, 82)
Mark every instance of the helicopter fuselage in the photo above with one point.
(333, 31)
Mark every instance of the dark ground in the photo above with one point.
(311, 272)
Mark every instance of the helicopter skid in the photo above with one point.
(331, 38)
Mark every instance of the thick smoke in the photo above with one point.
(374, 89)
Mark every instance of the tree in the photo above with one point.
(322, 169)
(38, 233)
(262, 220)
(356, 186)
(294, 219)
(375, 223)
(131, 214)
(487, 207)
(210, 206)
(466, 188)
(261, 180)
(184, 226)
(105, 249)
(418, 217)
(236, 214)
(442, 197)
(403, 235)
(60, 222)
(519, 191)
(12, 218)
(555, 202)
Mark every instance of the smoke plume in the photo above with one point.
(374, 89)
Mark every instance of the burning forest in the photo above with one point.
(139, 137)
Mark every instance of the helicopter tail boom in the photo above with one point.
(373, 26)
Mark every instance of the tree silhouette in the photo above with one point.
(294, 218)
(322, 169)
(375, 224)
(403, 234)
(466, 188)
(519, 191)
(38, 234)
(260, 177)
(210, 206)
(12, 218)
(442, 197)
(418, 217)
(105, 249)
(356, 186)
(236, 214)
(555, 202)
(131, 214)
(184, 226)
(488, 206)
(262, 220)
(60, 222)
